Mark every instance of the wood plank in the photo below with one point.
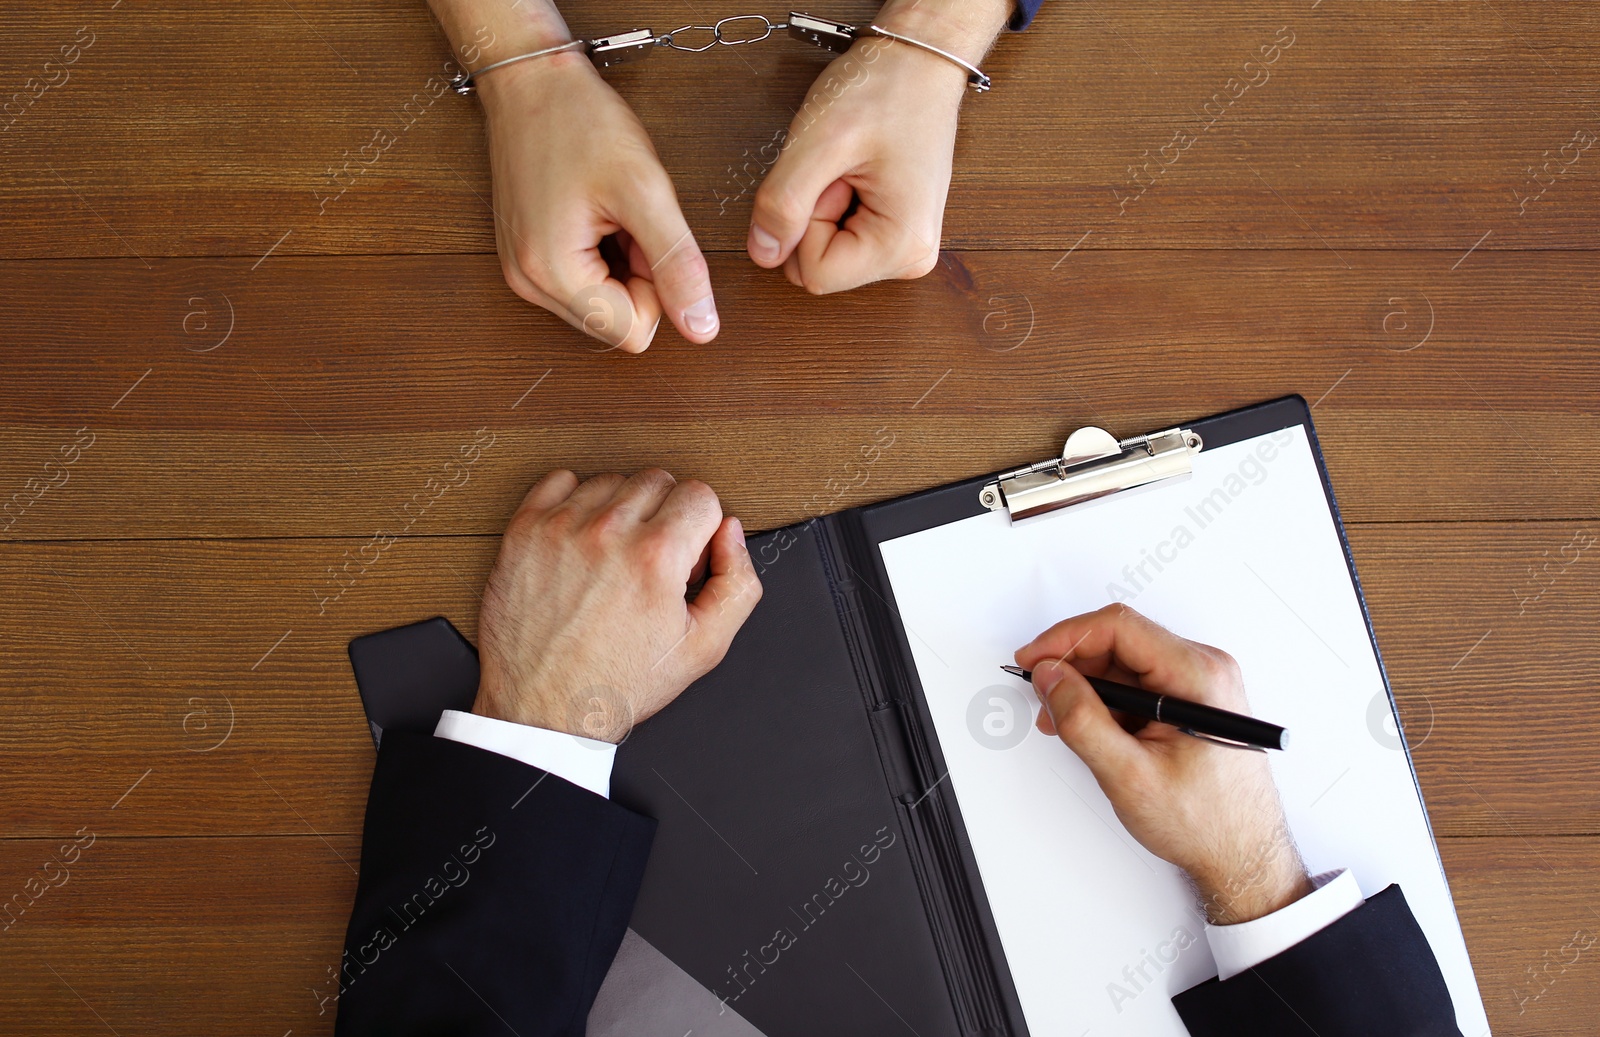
(1475, 622)
(130, 663)
(190, 128)
(140, 925)
(176, 936)
(346, 383)
(1526, 907)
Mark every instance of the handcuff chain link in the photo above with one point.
(768, 27)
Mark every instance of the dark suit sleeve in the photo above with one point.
(1370, 973)
(492, 896)
(1023, 14)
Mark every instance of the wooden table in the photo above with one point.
(226, 384)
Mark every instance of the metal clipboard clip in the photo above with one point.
(1093, 463)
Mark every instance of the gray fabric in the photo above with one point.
(646, 994)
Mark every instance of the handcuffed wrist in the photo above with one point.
(966, 30)
(904, 59)
(525, 75)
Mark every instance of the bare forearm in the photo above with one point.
(485, 31)
(966, 28)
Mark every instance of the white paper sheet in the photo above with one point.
(1244, 555)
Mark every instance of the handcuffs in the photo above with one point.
(606, 51)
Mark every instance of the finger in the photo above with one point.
(728, 597)
(594, 493)
(1142, 648)
(567, 275)
(1114, 671)
(641, 290)
(788, 197)
(875, 243)
(821, 229)
(641, 494)
(517, 280)
(1105, 666)
(1130, 724)
(1085, 724)
(673, 269)
(549, 491)
(689, 516)
(624, 316)
(701, 568)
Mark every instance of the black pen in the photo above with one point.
(1192, 718)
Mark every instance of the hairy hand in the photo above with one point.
(1211, 810)
(587, 625)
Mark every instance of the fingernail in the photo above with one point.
(763, 245)
(701, 318)
(1046, 676)
(738, 528)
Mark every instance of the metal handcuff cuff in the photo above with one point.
(615, 49)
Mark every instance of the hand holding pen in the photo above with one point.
(1214, 814)
(1196, 719)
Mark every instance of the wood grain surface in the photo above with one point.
(217, 381)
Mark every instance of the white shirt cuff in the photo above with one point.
(1239, 948)
(586, 762)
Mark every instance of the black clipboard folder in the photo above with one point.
(811, 866)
